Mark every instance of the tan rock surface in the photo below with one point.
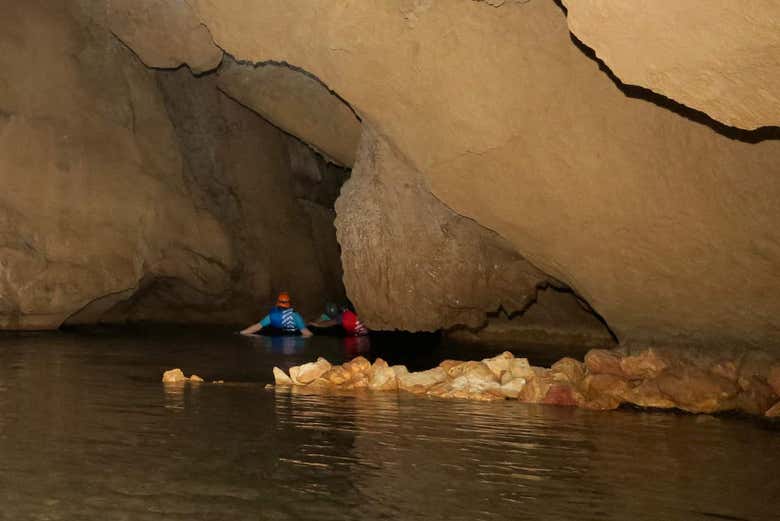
(164, 33)
(715, 56)
(410, 262)
(296, 103)
(667, 228)
(173, 376)
(308, 373)
(93, 200)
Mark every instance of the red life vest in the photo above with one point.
(352, 325)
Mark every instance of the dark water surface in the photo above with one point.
(87, 431)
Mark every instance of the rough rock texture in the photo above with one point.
(664, 226)
(121, 202)
(555, 317)
(297, 103)
(251, 176)
(717, 56)
(93, 199)
(411, 262)
(689, 381)
(164, 33)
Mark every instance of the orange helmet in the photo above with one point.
(283, 300)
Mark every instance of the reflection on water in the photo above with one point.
(87, 431)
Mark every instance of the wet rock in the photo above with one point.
(307, 373)
(602, 361)
(499, 364)
(755, 396)
(173, 376)
(474, 370)
(469, 386)
(774, 411)
(694, 390)
(382, 377)
(568, 369)
(561, 393)
(648, 394)
(773, 379)
(537, 385)
(512, 387)
(195, 379)
(604, 391)
(520, 368)
(358, 365)
(727, 368)
(449, 364)
(421, 381)
(281, 378)
(647, 364)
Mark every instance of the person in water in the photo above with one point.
(345, 317)
(282, 320)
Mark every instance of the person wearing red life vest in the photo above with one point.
(347, 319)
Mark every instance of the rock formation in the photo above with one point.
(692, 381)
(296, 103)
(115, 205)
(164, 33)
(663, 225)
(411, 262)
(715, 56)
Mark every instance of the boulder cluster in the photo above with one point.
(666, 379)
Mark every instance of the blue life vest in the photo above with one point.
(283, 319)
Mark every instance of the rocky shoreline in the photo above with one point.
(691, 380)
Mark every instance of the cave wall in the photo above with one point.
(274, 197)
(127, 195)
(410, 262)
(665, 225)
(93, 199)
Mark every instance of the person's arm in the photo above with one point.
(301, 325)
(254, 328)
(251, 330)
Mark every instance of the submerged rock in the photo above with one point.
(173, 376)
(665, 379)
(308, 373)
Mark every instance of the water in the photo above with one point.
(87, 431)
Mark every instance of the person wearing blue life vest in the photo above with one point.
(282, 320)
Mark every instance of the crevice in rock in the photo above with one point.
(697, 116)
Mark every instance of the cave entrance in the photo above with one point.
(264, 152)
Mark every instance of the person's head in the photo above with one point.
(283, 300)
(331, 309)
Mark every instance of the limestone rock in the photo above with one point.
(648, 394)
(647, 364)
(382, 377)
(755, 396)
(512, 387)
(612, 208)
(561, 393)
(455, 272)
(195, 379)
(569, 370)
(709, 56)
(358, 365)
(297, 103)
(602, 361)
(307, 373)
(694, 390)
(774, 379)
(774, 411)
(164, 34)
(173, 376)
(281, 378)
(499, 364)
(421, 381)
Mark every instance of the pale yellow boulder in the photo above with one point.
(513, 387)
(174, 376)
(499, 364)
(421, 381)
(195, 379)
(307, 373)
(281, 378)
